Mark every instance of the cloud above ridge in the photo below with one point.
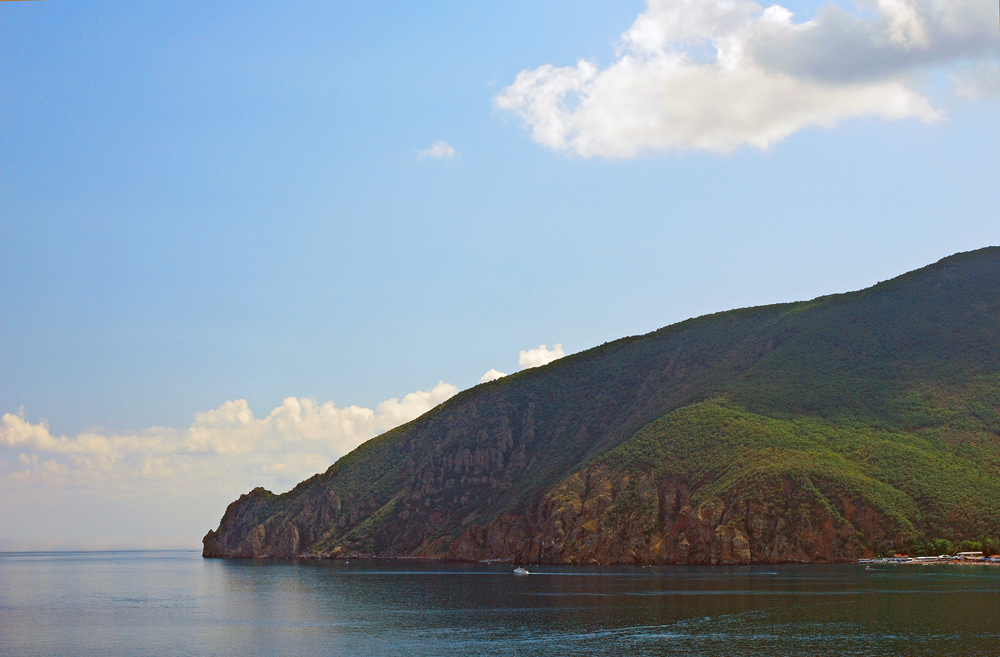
(539, 356)
(527, 359)
(718, 74)
(492, 375)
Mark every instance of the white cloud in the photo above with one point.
(492, 375)
(537, 357)
(718, 74)
(439, 150)
(167, 486)
(297, 439)
(540, 356)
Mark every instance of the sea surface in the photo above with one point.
(105, 604)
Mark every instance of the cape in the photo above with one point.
(822, 431)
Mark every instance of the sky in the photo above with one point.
(237, 240)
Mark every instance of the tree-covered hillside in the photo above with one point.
(817, 431)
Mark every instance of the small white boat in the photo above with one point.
(521, 571)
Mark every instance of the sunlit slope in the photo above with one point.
(815, 431)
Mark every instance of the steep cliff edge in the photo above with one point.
(817, 431)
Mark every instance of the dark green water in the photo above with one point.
(175, 603)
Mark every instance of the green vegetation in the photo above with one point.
(872, 417)
(928, 485)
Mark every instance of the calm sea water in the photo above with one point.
(175, 603)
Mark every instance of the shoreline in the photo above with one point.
(942, 560)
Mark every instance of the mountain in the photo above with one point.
(827, 430)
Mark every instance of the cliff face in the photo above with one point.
(818, 431)
(593, 528)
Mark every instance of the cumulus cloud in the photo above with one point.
(718, 74)
(439, 150)
(295, 440)
(540, 356)
(492, 375)
(166, 486)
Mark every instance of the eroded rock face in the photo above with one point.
(240, 533)
(594, 518)
(598, 517)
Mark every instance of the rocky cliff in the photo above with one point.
(811, 432)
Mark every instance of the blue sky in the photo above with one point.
(206, 202)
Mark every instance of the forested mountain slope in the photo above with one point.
(817, 431)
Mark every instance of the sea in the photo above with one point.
(107, 604)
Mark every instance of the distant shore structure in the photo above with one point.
(959, 558)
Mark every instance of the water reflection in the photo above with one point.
(177, 603)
